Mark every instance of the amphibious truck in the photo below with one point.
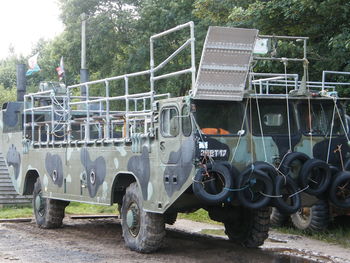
(239, 143)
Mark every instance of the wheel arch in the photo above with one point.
(29, 181)
(121, 181)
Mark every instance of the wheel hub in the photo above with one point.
(133, 219)
(38, 202)
(39, 205)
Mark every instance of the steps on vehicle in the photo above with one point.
(224, 66)
(8, 194)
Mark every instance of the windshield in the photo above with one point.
(317, 119)
(273, 118)
(219, 117)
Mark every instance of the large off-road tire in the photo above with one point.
(315, 218)
(49, 213)
(142, 231)
(170, 218)
(277, 218)
(250, 228)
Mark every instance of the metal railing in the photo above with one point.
(62, 113)
(263, 83)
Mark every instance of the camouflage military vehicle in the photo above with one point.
(239, 143)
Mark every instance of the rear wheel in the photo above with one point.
(315, 218)
(277, 218)
(142, 231)
(250, 228)
(170, 218)
(49, 213)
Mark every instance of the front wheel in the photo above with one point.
(142, 231)
(49, 213)
(250, 228)
(278, 219)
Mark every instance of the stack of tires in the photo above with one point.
(317, 217)
(261, 184)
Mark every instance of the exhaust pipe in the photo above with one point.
(21, 81)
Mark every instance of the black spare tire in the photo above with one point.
(287, 199)
(292, 163)
(255, 188)
(339, 192)
(268, 168)
(315, 175)
(212, 184)
(347, 165)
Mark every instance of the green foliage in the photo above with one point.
(7, 94)
(8, 70)
(336, 234)
(8, 75)
(118, 34)
(18, 211)
(325, 22)
(200, 215)
(86, 209)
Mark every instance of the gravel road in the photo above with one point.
(100, 240)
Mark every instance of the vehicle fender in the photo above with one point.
(29, 181)
(121, 181)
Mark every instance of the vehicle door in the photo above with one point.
(169, 135)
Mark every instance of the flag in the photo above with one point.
(33, 65)
(60, 70)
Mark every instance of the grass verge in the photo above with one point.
(9, 212)
(337, 233)
(200, 215)
(87, 209)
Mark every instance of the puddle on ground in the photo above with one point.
(279, 255)
(292, 259)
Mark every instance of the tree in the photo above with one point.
(118, 34)
(8, 70)
(325, 22)
(7, 94)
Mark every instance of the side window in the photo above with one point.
(170, 122)
(186, 121)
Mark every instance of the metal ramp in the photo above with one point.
(8, 194)
(224, 65)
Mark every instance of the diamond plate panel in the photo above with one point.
(225, 61)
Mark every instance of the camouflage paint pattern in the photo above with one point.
(162, 166)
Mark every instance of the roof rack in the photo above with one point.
(54, 118)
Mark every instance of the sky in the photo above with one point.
(24, 22)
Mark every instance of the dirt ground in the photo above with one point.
(100, 240)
